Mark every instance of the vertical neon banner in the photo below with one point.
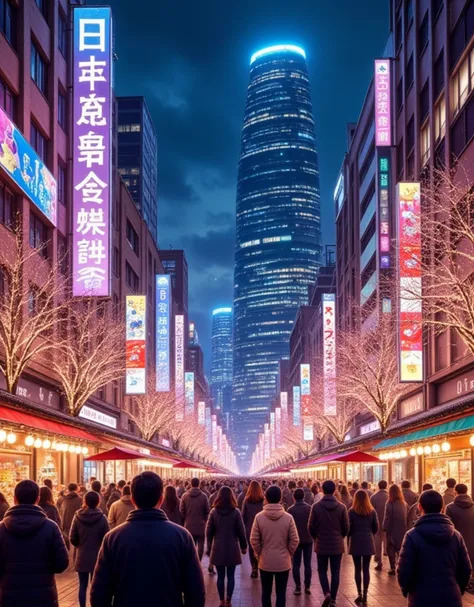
(278, 424)
(272, 431)
(296, 406)
(189, 392)
(162, 328)
(135, 344)
(383, 115)
(214, 432)
(328, 301)
(179, 366)
(284, 407)
(201, 413)
(208, 424)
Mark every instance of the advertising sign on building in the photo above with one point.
(272, 431)
(383, 116)
(266, 435)
(93, 415)
(284, 407)
(296, 406)
(278, 424)
(305, 375)
(214, 433)
(179, 366)
(308, 432)
(163, 310)
(328, 302)
(201, 413)
(383, 196)
(135, 344)
(189, 392)
(92, 150)
(208, 426)
(410, 339)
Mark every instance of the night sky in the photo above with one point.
(191, 62)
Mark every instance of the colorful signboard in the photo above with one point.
(328, 302)
(308, 432)
(305, 374)
(284, 407)
(189, 392)
(179, 366)
(208, 424)
(266, 435)
(272, 431)
(383, 196)
(98, 417)
(296, 406)
(278, 424)
(201, 413)
(409, 272)
(162, 351)
(92, 150)
(214, 432)
(383, 116)
(135, 344)
(27, 170)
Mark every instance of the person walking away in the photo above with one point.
(4, 505)
(449, 494)
(378, 501)
(413, 511)
(395, 524)
(213, 497)
(195, 509)
(171, 504)
(346, 498)
(70, 505)
(317, 493)
(365, 487)
(354, 489)
(115, 493)
(148, 556)
(241, 496)
(32, 551)
(120, 509)
(363, 526)
(300, 511)
(87, 532)
(308, 496)
(408, 494)
(46, 503)
(97, 487)
(286, 495)
(226, 541)
(253, 504)
(274, 539)
(434, 567)
(328, 526)
(461, 512)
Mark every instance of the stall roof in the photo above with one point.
(356, 456)
(187, 465)
(119, 453)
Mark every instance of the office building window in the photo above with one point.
(38, 142)
(410, 134)
(400, 156)
(440, 119)
(425, 100)
(38, 235)
(62, 255)
(132, 238)
(116, 262)
(398, 34)
(462, 33)
(62, 33)
(463, 82)
(436, 6)
(7, 206)
(32, 300)
(409, 13)
(400, 96)
(409, 74)
(439, 74)
(62, 182)
(129, 128)
(425, 143)
(7, 99)
(62, 110)
(423, 34)
(38, 68)
(8, 14)
(43, 6)
(131, 278)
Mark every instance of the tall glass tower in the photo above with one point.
(221, 371)
(278, 246)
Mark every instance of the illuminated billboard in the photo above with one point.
(328, 302)
(278, 424)
(214, 432)
(383, 196)
(284, 407)
(189, 392)
(308, 433)
(208, 424)
(92, 150)
(383, 116)
(163, 310)
(135, 344)
(179, 365)
(296, 406)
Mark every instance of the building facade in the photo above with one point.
(221, 369)
(138, 157)
(278, 229)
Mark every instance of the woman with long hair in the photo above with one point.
(226, 540)
(363, 525)
(46, 502)
(395, 524)
(346, 498)
(253, 504)
(171, 504)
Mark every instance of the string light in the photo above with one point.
(11, 438)
(445, 447)
(46, 443)
(29, 440)
(38, 442)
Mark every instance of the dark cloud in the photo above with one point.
(219, 219)
(215, 249)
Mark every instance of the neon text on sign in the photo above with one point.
(92, 150)
(208, 426)
(296, 406)
(328, 301)
(189, 392)
(384, 210)
(163, 308)
(179, 366)
(383, 119)
(135, 344)
(201, 413)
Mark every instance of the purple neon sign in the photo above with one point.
(383, 116)
(92, 147)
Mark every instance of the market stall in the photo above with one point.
(121, 463)
(352, 465)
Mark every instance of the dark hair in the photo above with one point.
(254, 493)
(344, 491)
(147, 489)
(301, 484)
(121, 484)
(273, 494)
(427, 486)
(48, 483)
(171, 498)
(451, 483)
(96, 486)
(225, 499)
(72, 487)
(431, 502)
(92, 499)
(3, 499)
(329, 487)
(126, 490)
(291, 485)
(355, 485)
(298, 494)
(195, 483)
(406, 484)
(26, 493)
(315, 489)
(364, 485)
(461, 489)
(361, 503)
(395, 494)
(46, 496)
(382, 484)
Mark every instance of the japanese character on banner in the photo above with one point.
(91, 221)
(91, 250)
(91, 149)
(91, 110)
(92, 35)
(92, 188)
(92, 71)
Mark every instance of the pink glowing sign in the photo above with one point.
(383, 116)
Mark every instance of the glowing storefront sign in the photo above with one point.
(98, 417)
(296, 406)
(284, 407)
(308, 432)
(383, 195)
(214, 432)
(305, 380)
(135, 344)
(179, 366)
(163, 308)
(409, 272)
(383, 116)
(92, 150)
(272, 431)
(201, 413)
(278, 424)
(189, 392)
(208, 425)
(328, 301)
(266, 436)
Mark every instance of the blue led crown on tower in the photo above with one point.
(278, 48)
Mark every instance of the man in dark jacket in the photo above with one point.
(414, 511)
(71, 504)
(328, 526)
(195, 509)
(408, 495)
(148, 560)
(32, 551)
(97, 487)
(434, 567)
(461, 512)
(378, 501)
(449, 493)
(300, 511)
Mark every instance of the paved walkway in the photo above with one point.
(383, 591)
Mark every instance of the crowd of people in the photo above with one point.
(146, 538)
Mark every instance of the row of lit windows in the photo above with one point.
(129, 128)
(272, 148)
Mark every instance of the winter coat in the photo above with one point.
(225, 533)
(103, 504)
(287, 498)
(249, 512)
(148, 556)
(3, 509)
(274, 538)
(240, 499)
(328, 525)
(345, 499)
(378, 501)
(449, 496)
(395, 523)
(308, 496)
(461, 512)
(173, 515)
(51, 512)
(70, 505)
(362, 530)
(113, 497)
(119, 511)
(32, 550)
(410, 497)
(87, 532)
(434, 568)
(195, 509)
(300, 511)
(413, 515)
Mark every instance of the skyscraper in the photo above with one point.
(278, 245)
(137, 157)
(221, 371)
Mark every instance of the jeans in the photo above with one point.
(335, 561)
(305, 551)
(380, 538)
(362, 563)
(253, 560)
(281, 581)
(199, 541)
(221, 573)
(392, 554)
(84, 577)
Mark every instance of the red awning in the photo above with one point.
(347, 456)
(118, 453)
(46, 425)
(187, 465)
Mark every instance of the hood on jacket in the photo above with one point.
(126, 498)
(195, 492)
(152, 514)
(435, 528)
(89, 516)
(224, 511)
(72, 496)
(24, 520)
(463, 501)
(273, 511)
(329, 502)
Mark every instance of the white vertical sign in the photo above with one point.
(329, 352)
(179, 366)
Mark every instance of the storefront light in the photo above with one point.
(413, 451)
(38, 442)
(403, 453)
(397, 455)
(46, 443)
(85, 450)
(445, 447)
(59, 447)
(427, 450)
(471, 440)
(72, 449)
(436, 448)
(64, 447)
(11, 438)
(3, 436)
(420, 450)
(78, 449)
(29, 440)
(391, 455)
